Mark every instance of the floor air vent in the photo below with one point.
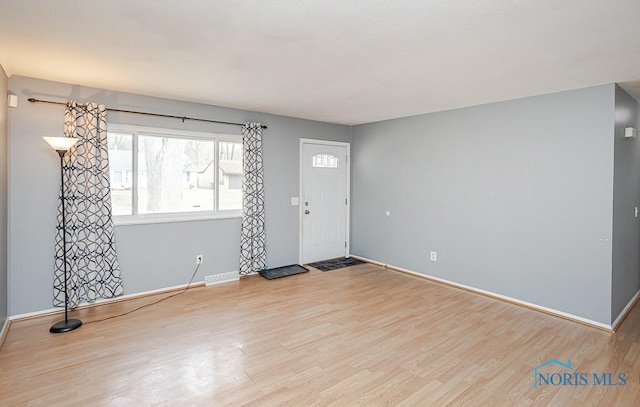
(221, 278)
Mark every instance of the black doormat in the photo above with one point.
(334, 264)
(283, 271)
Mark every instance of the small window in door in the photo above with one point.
(325, 161)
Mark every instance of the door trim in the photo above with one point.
(347, 239)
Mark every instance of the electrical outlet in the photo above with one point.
(199, 259)
(433, 256)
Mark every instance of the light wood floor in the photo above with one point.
(356, 336)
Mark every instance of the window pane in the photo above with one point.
(325, 161)
(230, 175)
(175, 175)
(121, 172)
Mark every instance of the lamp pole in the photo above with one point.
(64, 239)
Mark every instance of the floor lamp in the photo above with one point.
(62, 145)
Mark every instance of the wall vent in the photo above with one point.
(221, 278)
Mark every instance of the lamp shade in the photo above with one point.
(61, 143)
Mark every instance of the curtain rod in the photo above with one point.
(183, 118)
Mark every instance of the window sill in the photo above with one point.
(173, 218)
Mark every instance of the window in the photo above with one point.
(167, 175)
(325, 161)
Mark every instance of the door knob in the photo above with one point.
(307, 212)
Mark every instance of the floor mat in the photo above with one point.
(284, 271)
(334, 264)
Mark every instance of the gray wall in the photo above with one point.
(3, 197)
(151, 256)
(515, 197)
(626, 196)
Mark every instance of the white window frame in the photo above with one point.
(137, 218)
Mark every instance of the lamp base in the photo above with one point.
(65, 326)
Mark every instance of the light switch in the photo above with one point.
(636, 212)
(295, 201)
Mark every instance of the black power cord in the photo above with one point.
(150, 304)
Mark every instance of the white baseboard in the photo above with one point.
(4, 331)
(500, 297)
(103, 301)
(625, 310)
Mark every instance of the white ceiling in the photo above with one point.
(341, 61)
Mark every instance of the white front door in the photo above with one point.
(324, 204)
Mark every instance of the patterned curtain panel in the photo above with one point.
(253, 250)
(92, 263)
